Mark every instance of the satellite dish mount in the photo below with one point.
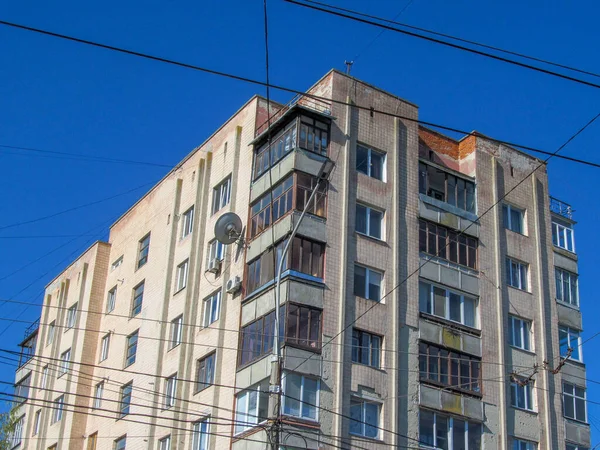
(228, 229)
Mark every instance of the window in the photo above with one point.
(314, 135)
(574, 402)
(445, 243)
(303, 326)
(281, 145)
(370, 162)
(369, 221)
(205, 375)
(562, 235)
(116, 263)
(44, 377)
(521, 394)
(306, 257)
(120, 443)
(513, 218)
(165, 443)
(143, 249)
(132, 342)
(59, 405)
(71, 316)
(104, 347)
(200, 435)
(447, 368)
(51, 331)
(98, 393)
(138, 298)
(439, 430)
(53, 447)
(111, 300)
(125, 403)
(176, 331)
(187, 222)
(212, 308)
(65, 362)
(22, 389)
(575, 447)
(182, 274)
(92, 440)
(445, 187)
(301, 397)
(257, 338)
(36, 422)
(252, 406)
(566, 287)
(519, 333)
(215, 250)
(366, 348)
(305, 184)
(364, 418)
(570, 339)
(367, 283)
(17, 432)
(170, 391)
(221, 195)
(519, 444)
(448, 304)
(516, 274)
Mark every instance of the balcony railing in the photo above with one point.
(31, 329)
(561, 208)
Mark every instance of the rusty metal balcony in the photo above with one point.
(561, 208)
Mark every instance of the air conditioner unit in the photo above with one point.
(233, 285)
(214, 266)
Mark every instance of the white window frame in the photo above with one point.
(111, 300)
(21, 391)
(215, 250)
(187, 223)
(573, 398)
(44, 377)
(116, 263)
(200, 434)
(526, 391)
(574, 345)
(301, 400)
(104, 347)
(369, 162)
(520, 444)
(58, 409)
(368, 211)
(212, 309)
(51, 333)
(521, 284)
(65, 362)
(16, 435)
(170, 391)
(572, 279)
(176, 332)
(563, 231)
(221, 195)
(368, 271)
(247, 419)
(36, 422)
(165, 443)
(571, 446)
(98, 394)
(182, 275)
(450, 421)
(430, 306)
(507, 209)
(521, 328)
(364, 402)
(71, 316)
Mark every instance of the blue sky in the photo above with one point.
(62, 96)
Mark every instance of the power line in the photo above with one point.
(438, 41)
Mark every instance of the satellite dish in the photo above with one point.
(228, 228)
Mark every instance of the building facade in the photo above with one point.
(428, 300)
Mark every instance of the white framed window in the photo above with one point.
(117, 262)
(521, 394)
(36, 422)
(17, 432)
(575, 447)
(111, 300)
(59, 405)
(221, 194)
(513, 218)
(212, 308)
(21, 392)
(301, 397)
(365, 418)
(370, 162)
(439, 431)
(51, 331)
(143, 250)
(71, 316)
(563, 235)
(574, 402)
(98, 393)
(121, 443)
(44, 377)
(519, 333)
(170, 391)
(520, 444)
(104, 347)
(367, 283)
(566, 287)
(165, 443)
(516, 274)
(252, 406)
(215, 250)
(200, 435)
(176, 332)
(187, 222)
(366, 348)
(448, 304)
(182, 274)
(568, 338)
(369, 221)
(65, 362)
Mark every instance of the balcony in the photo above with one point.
(561, 208)
(28, 345)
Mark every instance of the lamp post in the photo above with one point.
(275, 382)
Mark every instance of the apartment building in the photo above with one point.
(429, 298)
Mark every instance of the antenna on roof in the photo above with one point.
(348, 66)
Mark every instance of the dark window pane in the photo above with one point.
(362, 160)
